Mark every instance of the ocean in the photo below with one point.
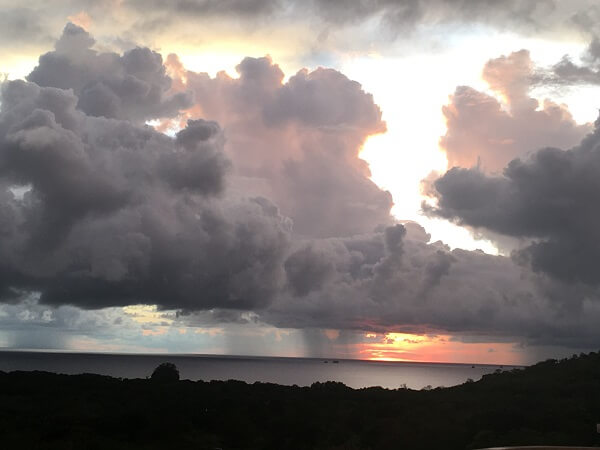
(286, 371)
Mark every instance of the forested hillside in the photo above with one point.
(553, 402)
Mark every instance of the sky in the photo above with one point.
(376, 179)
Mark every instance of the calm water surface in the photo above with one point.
(288, 371)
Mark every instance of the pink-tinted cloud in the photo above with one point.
(296, 142)
(483, 132)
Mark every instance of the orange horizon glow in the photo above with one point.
(405, 347)
(392, 346)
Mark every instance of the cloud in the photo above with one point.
(22, 26)
(30, 324)
(120, 214)
(132, 86)
(481, 132)
(569, 73)
(111, 212)
(546, 198)
(211, 8)
(408, 13)
(297, 142)
(387, 281)
(397, 13)
(585, 19)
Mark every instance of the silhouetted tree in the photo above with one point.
(165, 372)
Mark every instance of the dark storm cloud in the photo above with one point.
(120, 214)
(308, 269)
(98, 211)
(117, 213)
(396, 13)
(297, 142)
(131, 86)
(548, 197)
(388, 281)
(480, 132)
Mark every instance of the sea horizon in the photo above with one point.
(243, 356)
(283, 370)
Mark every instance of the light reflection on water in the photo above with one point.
(288, 371)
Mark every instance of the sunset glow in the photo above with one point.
(436, 348)
(398, 347)
(297, 178)
(373, 224)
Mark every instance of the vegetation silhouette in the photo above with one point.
(550, 403)
(165, 373)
